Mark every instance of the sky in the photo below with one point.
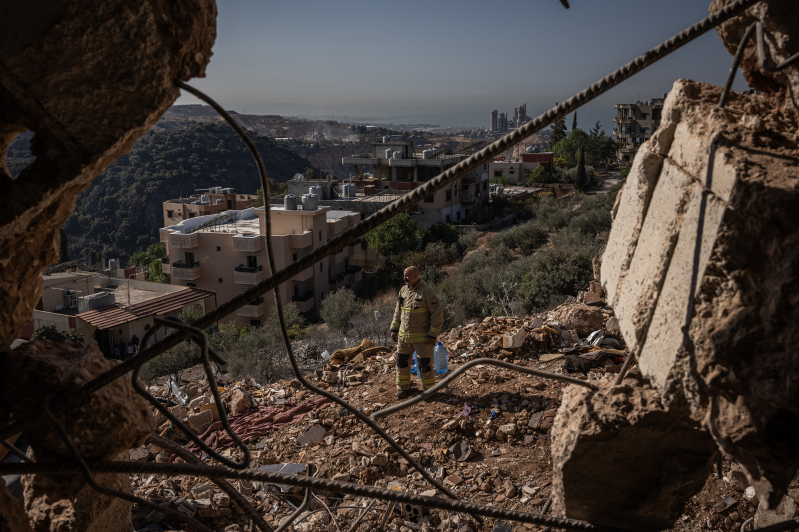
(448, 62)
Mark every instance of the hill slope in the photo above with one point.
(121, 212)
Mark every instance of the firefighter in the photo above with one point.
(416, 325)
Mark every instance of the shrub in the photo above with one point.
(526, 237)
(625, 172)
(54, 334)
(592, 222)
(397, 235)
(440, 232)
(339, 307)
(501, 180)
(467, 241)
(538, 175)
(555, 272)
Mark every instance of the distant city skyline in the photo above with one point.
(448, 63)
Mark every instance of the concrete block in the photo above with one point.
(514, 339)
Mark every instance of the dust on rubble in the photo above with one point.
(500, 419)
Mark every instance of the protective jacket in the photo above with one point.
(418, 314)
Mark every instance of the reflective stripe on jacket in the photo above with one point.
(418, 315)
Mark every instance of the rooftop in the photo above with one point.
(113, 315)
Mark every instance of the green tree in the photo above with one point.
(440, 232)
(309, 173)
(156, 273)
(52, 333)
(582, 175)
(558, 132)
(574, 122)
(538, 175)
(156, 251)
(339, 308)
(398, 235)
(567, 148)
(63, 249)
(555, 273)
(275, 189)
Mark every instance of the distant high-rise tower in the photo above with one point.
(503, 122)
(494, 114)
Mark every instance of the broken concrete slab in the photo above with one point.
(581, 318)
(314, 434)
(201, 421)
(514, 339)
(609, 434)
(785, 510)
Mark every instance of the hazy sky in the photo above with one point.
(448, 62)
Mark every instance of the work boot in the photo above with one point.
(405, 394)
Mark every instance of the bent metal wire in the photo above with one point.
(194, 331)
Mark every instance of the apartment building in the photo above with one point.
(398, 169)
(227, 253)
(634, 124)
(517, 168)
(205, 201)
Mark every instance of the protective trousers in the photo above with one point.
(424, 359)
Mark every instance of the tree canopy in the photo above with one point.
(398, 235)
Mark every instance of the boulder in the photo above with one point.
(785, 510)
(583, 319)
(613, 433)
(702, 265)
(239, 402)
(201, 421)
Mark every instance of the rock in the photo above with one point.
(594, 294)
(221, 500)
(612, 328)
(211, 407)
(704, 208)
(738, 480)
(31, 372)
(142, 454)
(453, 480)
(200, 422)
(244, 487)
(330, 440)
(233, 528)
(239, 402)
(197, 402)
(514, 339)
(361, 449)
(342, 477)
(85, 113)
(202, 491)
(581, 318)
(509, 429)
(609, 434)
(750, 493)
(510, 489)
(785, 510)
(179, 412)
(314, 434)
(379, 460)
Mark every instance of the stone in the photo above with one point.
(314, 434)
(510, 489)
(221, 500)
(581, 318)
(737, 480)
(200, 422)
(233, 528)
(12, 512)
(700, 268)
(211, 407)
(514, 339)
(750, 493)
(197, 402)
(379, 460)
(594, 294)
(453, 480)
(342, 477)
(178, 411)
(239, 402)
(202, 491)
(87, 95)
(139, 455)
(360, 449)
(785, 510)
(37, 368)
(609, 434)
(508, 429)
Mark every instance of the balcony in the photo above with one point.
(247, 243)
(355, 274)
(469, 180)
(186, 271)
(299, 241)
(337, 281)
(181, 241)
(254, 309)
(248, 274)
(339, 256)
(304, 302)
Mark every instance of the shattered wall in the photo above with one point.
(702, 265)
(89, 79)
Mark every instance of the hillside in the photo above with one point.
(121, 212)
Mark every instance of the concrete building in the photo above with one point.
(398, 169)
(494, 118)
(635, 123)
(227, 253)
(207, 201)
(108, 309)
(516, 168)
(520, 115)
(503, 123)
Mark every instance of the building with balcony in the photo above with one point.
(396, 169)
(204, 202)
(517, 168)
(634, 124)
(226, 253)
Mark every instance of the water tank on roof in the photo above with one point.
(219, 201)
(350, 190)
(310, 203)
(318, 190)
(290, 202)
(396, 138)
(397, 154)
(389, 152)
(203, 198)
(112, 264)
(385, 139)
(230, 191)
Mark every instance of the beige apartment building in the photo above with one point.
(634, 124)
(227, 254)
(204, 202)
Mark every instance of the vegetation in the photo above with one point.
(63, 248)
(558, 132)
(539, 175)
(156, 273)
(339, 308)
(574, 122)
(52, 333)
(624, 172)
(121, 212)
(398, 235)
(501, 180)
(154, 251)
(598, 147)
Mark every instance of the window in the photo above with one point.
(229, 204)
(252, 261)
(321, 266)
(497, 173)
(458, 215)
(510, 170)
(220, 279)
(449, 195)
(448, 218)
(656, 114)
(194, 285)
(191, 215)
(169, 214)
(295, 257)
(429, 199)
(485, 186)
(320, 236)
(484, 165)
(218, 248)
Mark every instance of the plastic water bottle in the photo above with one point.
(440, 357)
(413, 363)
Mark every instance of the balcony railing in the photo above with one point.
(302, 297)
(354, 269)
(164, 260)
(337, 279)
(181, 264)
(248, 269)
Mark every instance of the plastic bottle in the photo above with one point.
(413, 363)
(440, 358)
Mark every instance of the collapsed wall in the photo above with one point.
(701, 268)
